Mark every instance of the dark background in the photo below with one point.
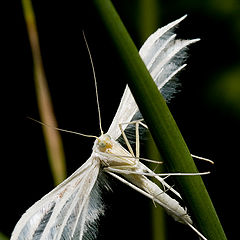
(207, 110)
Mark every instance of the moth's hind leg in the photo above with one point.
(137, 140)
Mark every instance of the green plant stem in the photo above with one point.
(162, 126)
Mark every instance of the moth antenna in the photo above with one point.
(62, 130)
(95, 83)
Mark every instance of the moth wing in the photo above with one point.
(164, 57)
(157, 40)
(125, 112)
(62, 213)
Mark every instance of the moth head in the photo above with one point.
(104, 142)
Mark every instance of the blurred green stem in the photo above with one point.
(158, 221)
(148, 21)
(162, 126)
(149, 14)
(52, 137)
(3, 237)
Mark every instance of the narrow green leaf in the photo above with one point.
(161, 124)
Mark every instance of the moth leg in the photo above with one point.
(122, 168)
(137, 143)
(126, 140)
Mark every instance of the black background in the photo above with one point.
(207, 110)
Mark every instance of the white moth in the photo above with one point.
(71, 210)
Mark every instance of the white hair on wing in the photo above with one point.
(156, 40)
(96, 207)
(168, 59)
(164, 57)
(169, 62)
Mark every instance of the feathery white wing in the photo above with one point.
(163, 57)
(68, 203)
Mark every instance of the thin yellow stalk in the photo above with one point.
(52, 137)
